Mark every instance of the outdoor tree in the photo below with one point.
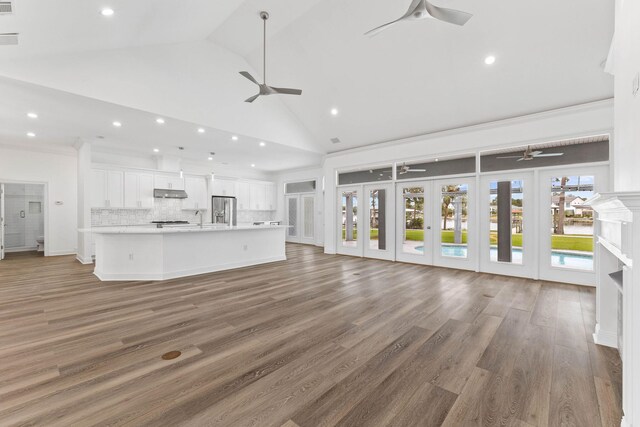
(561, 201)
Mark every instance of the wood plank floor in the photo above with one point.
(318, 340)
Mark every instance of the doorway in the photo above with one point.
(22, 218)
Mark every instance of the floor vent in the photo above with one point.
(7, 39)
(5, 7)
(335, 140)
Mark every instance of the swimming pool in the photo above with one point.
(558, 258)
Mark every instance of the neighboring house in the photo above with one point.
(573, 205)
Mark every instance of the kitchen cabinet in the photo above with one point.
(107, 189)
(224, 187)
(196, 188)
(168, 182)
(138, 190)
(271, 199)
(258, 196)
(244, 196)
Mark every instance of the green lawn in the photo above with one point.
(568, 242)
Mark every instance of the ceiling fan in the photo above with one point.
(264, 88)
(530, 155)
(422, 9)
(405, 169)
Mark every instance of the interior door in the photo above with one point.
(349, 219)
(378, 221)
(307, 206)
(414, 242)
(454, 223)
(507, 240)
(292, 204)
(1, 222)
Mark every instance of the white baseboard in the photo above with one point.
(60, 253)
(107, 277)
(606, 338)
(624, 423)
(84, 260)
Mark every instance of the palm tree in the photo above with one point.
(561, 201)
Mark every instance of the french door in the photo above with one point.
(507, 238)
(300, 217)
(567, 225)
(414, 204)
(350, 240)
(378, 221)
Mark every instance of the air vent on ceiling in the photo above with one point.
(5, 7)
(335, 140)
(8, 39)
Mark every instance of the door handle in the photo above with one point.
(428, 227)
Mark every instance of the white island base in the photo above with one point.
(144, 253)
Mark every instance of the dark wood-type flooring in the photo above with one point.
(318, 340)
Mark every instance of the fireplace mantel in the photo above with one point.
(618, 238)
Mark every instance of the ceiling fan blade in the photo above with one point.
(286, 91)
(548, 155)
(451, 16)
(416, 170)
(521, 159)
(383, 27)
(253, 98)
(249, 76)
(508, 157)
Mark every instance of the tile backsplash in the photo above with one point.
(164, 210)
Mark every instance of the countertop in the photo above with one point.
(191, 228)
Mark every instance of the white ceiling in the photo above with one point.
(415, 78)
(65, 118)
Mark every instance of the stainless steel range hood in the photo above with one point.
(161, 193)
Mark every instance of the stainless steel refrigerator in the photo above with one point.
(224, 210)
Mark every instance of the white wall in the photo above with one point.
(303, 175)
(626, 65)
(584, 120)
(59, 173)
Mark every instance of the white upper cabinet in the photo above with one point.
(107, 189)
(224, 187)
(138, 190)
(196, 188)
(244, 196)
(168, 182)
(271, 197)
(258, 192)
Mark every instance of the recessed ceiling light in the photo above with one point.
(107, 11)
(160, 121)
(156, 150)
(117, 124)
(209, 158)
(334, 111)
(436, 160)
(32, 115)
(489, 60)
(235, 138)
(31, 134)
(201, 130)
(253, 165)
(262, 144)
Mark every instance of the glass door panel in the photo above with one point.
(379, 235)
(292, 206)
(307, 203)
(508, 244)
(414, 243)
(567, 244)
(454, 213)
(348, 221)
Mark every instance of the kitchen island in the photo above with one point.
(150, 253)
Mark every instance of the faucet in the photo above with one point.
(199, 212)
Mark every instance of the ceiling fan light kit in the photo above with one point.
(264, 88)
(422, 9)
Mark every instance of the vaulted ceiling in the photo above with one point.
(181, 60)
